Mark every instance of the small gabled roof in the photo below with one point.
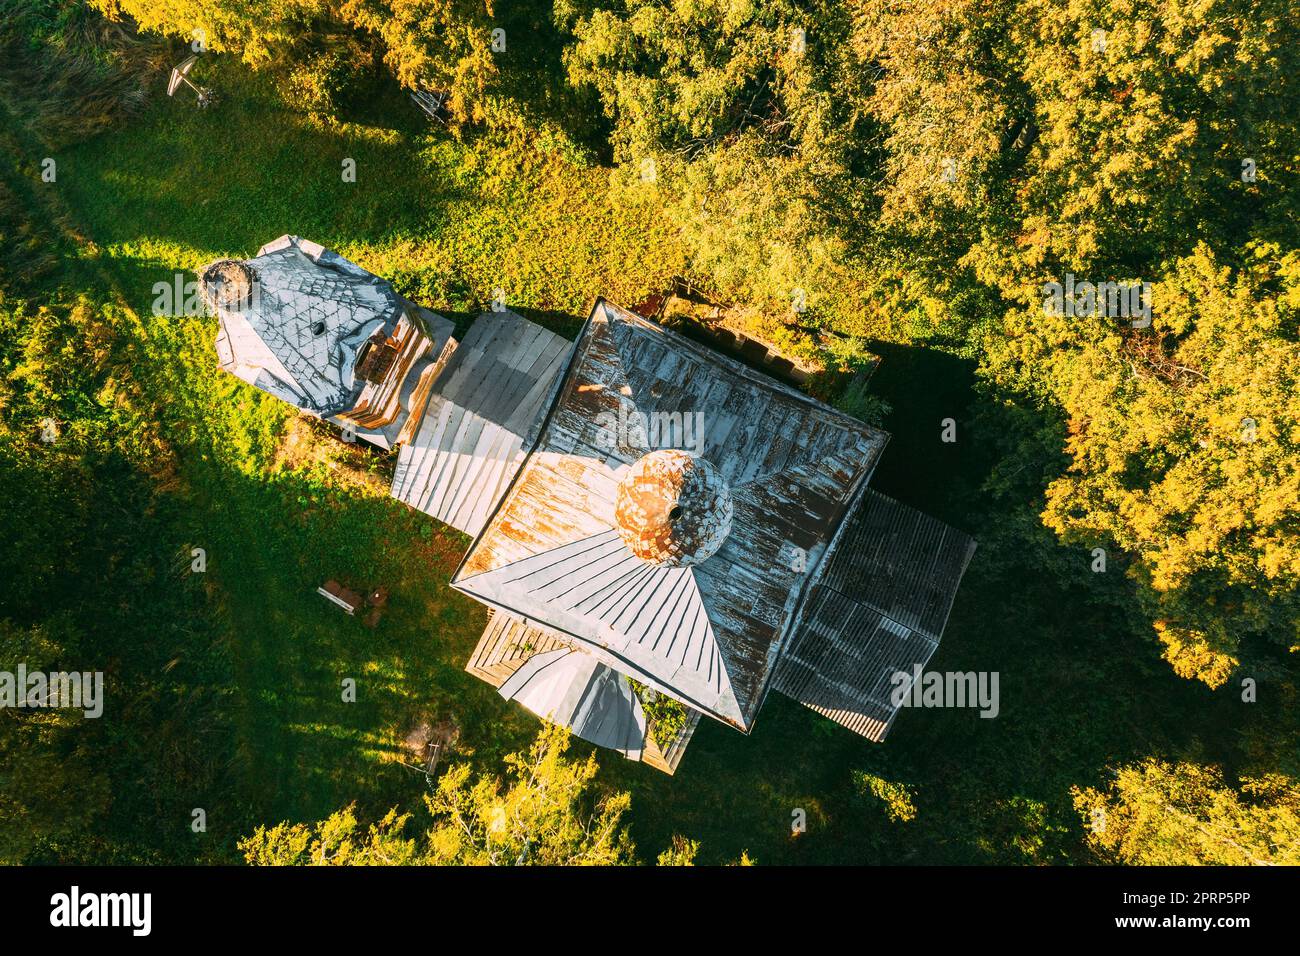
(708, 633)
(480, 420)
(572, 688)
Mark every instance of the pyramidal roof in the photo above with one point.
(708, 624)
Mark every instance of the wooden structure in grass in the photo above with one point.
(306, 325)
(660, 533)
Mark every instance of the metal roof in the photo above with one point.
(571, 688)
(878, 610)
(480, 420)
(709, 634)
(298, 334)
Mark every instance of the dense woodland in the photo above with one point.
(860, 180)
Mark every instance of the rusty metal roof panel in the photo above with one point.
(708, 633)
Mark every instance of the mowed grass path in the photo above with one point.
(448, 224)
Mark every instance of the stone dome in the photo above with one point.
(673, 508)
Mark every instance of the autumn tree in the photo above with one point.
(746, 121)
(499, 64)
(1184, 441)
(545, 816)
(1179, 814)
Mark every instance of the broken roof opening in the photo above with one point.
(376, 357)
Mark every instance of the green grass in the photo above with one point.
(448, 223)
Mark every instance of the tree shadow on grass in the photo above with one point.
(926, 388)
(309, 750)
(228, 179)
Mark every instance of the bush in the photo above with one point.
(323, 83)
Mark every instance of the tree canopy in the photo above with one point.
(546, 815)
(1162, 814)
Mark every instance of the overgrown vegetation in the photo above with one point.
(912, 173)
(665, 716)
(544, 817)
(71, 73)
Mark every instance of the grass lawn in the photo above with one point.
(280, 508)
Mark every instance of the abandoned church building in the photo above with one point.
(660, 532)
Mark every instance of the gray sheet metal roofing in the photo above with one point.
(709, 634)
(299, 337)
(878, 611)
(571, 688)
(476, 426)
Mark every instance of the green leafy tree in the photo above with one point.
(498, 63)
(1163, 814)
(681, 853)
(545, 816)
(746, 120)
(259, 30)
(1185, 452)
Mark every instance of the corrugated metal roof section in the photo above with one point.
(900, 561)
(879, 610)
(843, 660)
(476, 425)
(299, 336)
(709, 634)
(575, 690)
